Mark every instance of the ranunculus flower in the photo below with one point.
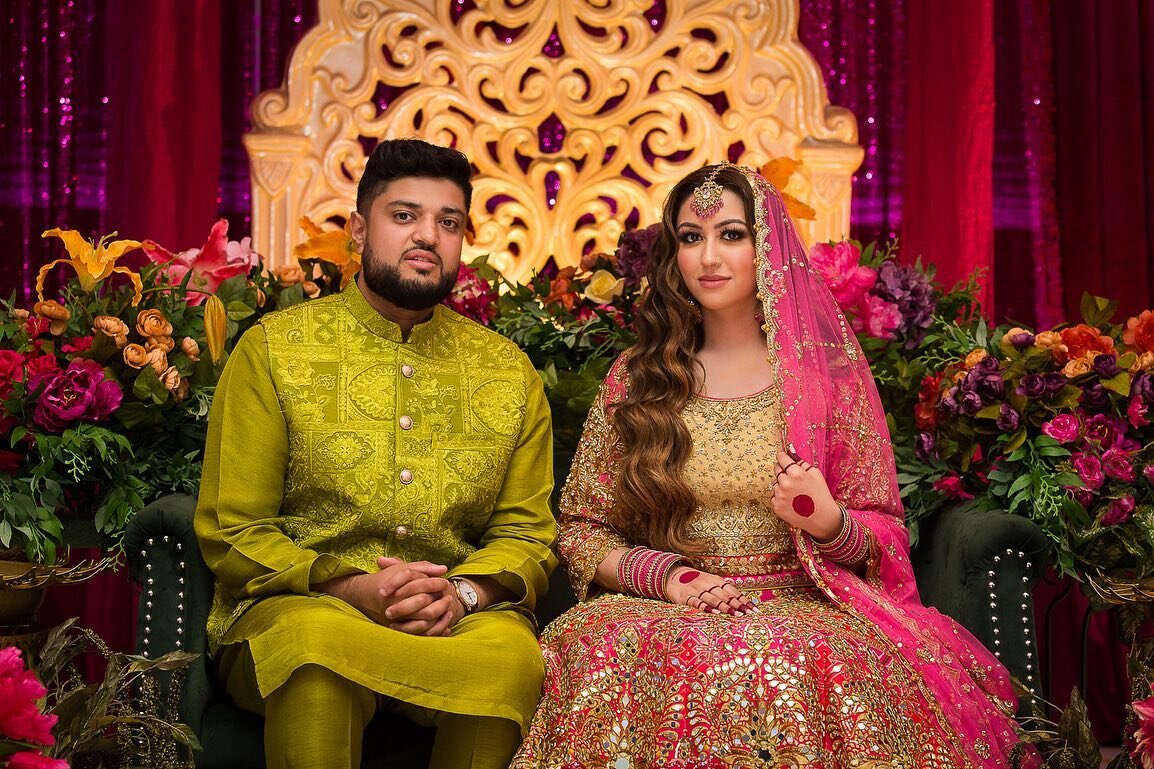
(838, 264)
(78, 344)
(1143, 751)
(1139, 332)
(1106, 366)
(39, 368)
(877, 317)
(604, 287)
(975, 357)
(166, 343)
(1077, 367)
(1085, 497)
(1055, 382)
(1142, 386)
(78, 394)
(1019, 338)
(35, 326)
(1008, 419)
(113, 328)
(56, 313)
(1136, 413)
(1119, 511)
(1048, 340)
(1032, 386)
(135, 356)
(1144, 362)
(152, 323)
(29, 759)
(1080, 341)
(11, 371)
(949, 403)
(1095, 397)
(951, 486)
(924, 445)
(1118, 466)
(909, 289)
(190, 348)
(633, 251)
(289, 275)
(20, 716)
(473, 296)
(1089, 469)
(1105, 430)
(158, 359)
(970, 402)
(171, 379)
(215, 262)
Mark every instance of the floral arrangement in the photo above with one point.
(24, 730)
(1053, 425)
(105, 389)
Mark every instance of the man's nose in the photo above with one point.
(426, 231)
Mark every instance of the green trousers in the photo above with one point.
(317, 719)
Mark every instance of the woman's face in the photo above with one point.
(716, 255)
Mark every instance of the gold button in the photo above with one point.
(406, 422)
(407, 370)
(401, 532)
(406, 477)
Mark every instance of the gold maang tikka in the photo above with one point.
(707, 197)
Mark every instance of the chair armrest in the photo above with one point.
(980, 567)
(176, 594)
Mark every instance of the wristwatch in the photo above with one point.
(467, 593)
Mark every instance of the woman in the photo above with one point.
(732, 524)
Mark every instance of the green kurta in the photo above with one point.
(332, 442)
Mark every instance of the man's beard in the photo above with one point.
(407, 293)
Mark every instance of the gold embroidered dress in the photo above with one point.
(634, 683)
(332, 441)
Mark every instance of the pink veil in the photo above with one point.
(832, 414)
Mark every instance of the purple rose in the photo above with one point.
(1119, 511)
(949, 403)
(1142, 387)
(1022, 340)
(924, 445)
(80, 393)
(1064, 428)
(986, 379)
(1055, 381)
(1032, 386)
(1095, 397)
(909, 289)
(1008, 419)
(1105, 430)
(970, 403)
(1089, 469)
(1118, 466)
(1106, 366)
(633, 253)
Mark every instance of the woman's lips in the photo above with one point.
(712, 281)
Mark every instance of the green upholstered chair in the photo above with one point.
(978, 567)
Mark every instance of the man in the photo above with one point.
(375, 497)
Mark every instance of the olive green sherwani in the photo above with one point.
(332, 442)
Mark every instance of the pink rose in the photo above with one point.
(29, 759)
(11, 371)
(1105, 430)
(20, 716)
(79, 344)
(838, 263)
(1136, 413)
(1119, 511)
(1089, 469)
(1148, 471)
(951, 486)
(1143, 751)
(877, 317)
(79, 393)
(1117, 465)
(1085, 497)
(1064, 428)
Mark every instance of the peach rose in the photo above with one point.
(165, 343)
(312, 290)
(1144, 362)
(158, 359)
(1048, 340)
(171, 379)
(1139, 332)
(290, 275)
(113, 328)
(1077, 367)
(1083, 340)
(21, 315)
(135, 355)
(152, 323)
(55, 312)
(976, 357)
(190, 348)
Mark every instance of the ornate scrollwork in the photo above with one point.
(578, 115)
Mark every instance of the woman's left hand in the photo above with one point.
(802, 498)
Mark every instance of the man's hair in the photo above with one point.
(400, 158)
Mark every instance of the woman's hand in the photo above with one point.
(707, 592)
(802, 498)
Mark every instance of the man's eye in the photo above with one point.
(403, 216)
(450, 224)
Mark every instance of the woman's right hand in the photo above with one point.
(707, 592)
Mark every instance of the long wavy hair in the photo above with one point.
(652, 500)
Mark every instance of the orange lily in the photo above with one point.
(333, 246)
(93, 260)
(777, 172)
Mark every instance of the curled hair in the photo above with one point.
(400, 158)
(653, 503)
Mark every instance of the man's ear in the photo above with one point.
(357, 229)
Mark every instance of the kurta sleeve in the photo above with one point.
(246, 455)
(516, 547)
(586, 537)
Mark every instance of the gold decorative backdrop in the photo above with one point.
(578, 116)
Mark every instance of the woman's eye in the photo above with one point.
(734, 234)
(689, 237)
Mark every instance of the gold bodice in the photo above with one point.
(735, 442)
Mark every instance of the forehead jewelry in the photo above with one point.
(707, 197)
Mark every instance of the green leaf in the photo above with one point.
(238, 310)
(149, 387)
(1023, 482)
(1017, 440)
(294, 294)
(1097, 311)
(1119, 384)
(18, 433)
(990, 412)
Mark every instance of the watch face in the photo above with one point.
(468, 594)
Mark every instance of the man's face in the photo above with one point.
(411, 241)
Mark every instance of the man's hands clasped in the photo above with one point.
(411, 597)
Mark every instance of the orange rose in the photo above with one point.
(976, 357)
(113, 328)
(190, 348)
(1048, 340)
(1083, 340)
(152, 323)
(55, 312)
(135, 356)
(290, 275)
(158, 359)
(1145, 362)
(1077, 367)
(1139, 332)
(171, 379)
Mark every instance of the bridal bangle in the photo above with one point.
(643, 572)
(850, 546)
